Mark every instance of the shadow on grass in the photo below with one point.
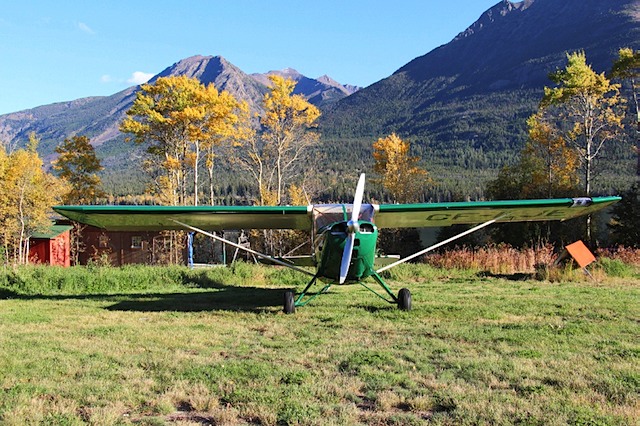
(229, 298)
(519, 276)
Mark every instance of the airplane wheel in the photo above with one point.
(289, 302)
(404, 299)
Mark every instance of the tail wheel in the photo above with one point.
(289, 302)
(404, 299)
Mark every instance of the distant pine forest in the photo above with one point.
(459, 171)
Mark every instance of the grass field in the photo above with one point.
(157, 346)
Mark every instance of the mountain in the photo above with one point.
(321, 91)
(514, 45)
(464, 104)
(96, 117)
(223, 74)
(99, 117)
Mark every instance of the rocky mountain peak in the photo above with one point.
(325, 79)
(289, 73)
(318, 91)
(500, 10)
(204, 68)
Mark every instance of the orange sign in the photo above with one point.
(580, 253)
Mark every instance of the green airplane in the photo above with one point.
(344, 236)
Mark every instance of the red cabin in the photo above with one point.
(51, 247)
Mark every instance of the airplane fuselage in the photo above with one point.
(329, 247)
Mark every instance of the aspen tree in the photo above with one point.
(179, 119)
(274, 156)
(399, 173)
(27, 193)
(587, 109)
(627, 68)
(78, 164)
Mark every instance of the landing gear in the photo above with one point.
(289, 302)
(404, 295)
(404, 299)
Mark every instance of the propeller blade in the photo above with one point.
(357, 199)
(346, 257)
(352, 226)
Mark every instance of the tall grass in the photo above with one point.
(538, 261)
(627, 255)
(497, 259)
(47, 280)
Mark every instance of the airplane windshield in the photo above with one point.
(326, 214)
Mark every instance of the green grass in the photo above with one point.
(154, 346)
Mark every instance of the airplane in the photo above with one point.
(344, 236)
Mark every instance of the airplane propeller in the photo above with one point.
(352, 227)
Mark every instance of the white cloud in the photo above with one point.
(85, 28)
(136, 78)
(139, 77)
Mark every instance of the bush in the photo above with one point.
(616, 268)
(630, 256)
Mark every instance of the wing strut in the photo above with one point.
(435, 246)
(238, 246)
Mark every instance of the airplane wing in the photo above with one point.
(216, 218)
(458, 213)
(210, 218)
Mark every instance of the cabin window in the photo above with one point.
(103, 241)
(136, 241)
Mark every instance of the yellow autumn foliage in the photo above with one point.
(27, 194)
(274, 157)
(399, 173)
(181, 121)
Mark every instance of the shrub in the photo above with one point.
(616, 268)
(630, 256)
(496, 259)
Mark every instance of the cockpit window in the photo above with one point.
(339, 228)
(366, 228)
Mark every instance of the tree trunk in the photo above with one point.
(588, 187)
(210, 171)
(638, 148)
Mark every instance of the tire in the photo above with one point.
(289, 303)
(404, 299)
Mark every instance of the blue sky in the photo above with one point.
(55, 51)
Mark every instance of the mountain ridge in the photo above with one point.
(99, 116)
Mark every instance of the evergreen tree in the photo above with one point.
(627, 68)
(625, 226)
